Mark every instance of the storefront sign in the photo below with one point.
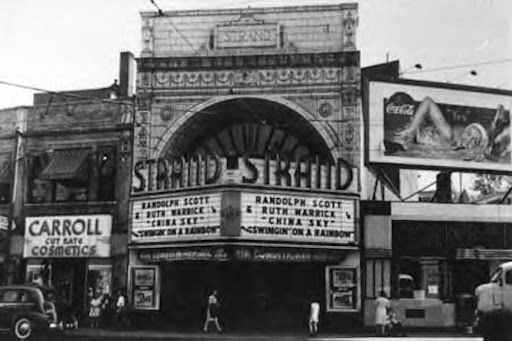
(341, 288)
(145, 288)
(68, 236)
(247, 32)
(298, 217)
(436, 127)
(201, 170)
(176, 217)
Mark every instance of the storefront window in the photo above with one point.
(341, 289)
(99, 279)
(71, 175)
(39, 274)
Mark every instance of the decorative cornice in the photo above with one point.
(248, 78)
(335, 59)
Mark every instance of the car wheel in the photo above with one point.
(23, 328)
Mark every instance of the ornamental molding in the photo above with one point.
(291, 60)
(245, 78)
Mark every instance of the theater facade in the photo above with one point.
(246, 157)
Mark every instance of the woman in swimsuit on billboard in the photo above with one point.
(493, 143)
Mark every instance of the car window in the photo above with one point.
(496, 277)
(16, 296)
(508, 277)
(9, 296)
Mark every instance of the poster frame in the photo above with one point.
(156, 286)
(330, 290)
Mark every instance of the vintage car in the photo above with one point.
(27, 311)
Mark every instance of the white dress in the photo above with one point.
(314, 312)
(381, 305)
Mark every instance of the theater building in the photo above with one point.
(246, 159)
(74, 158)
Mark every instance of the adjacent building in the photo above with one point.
(70, 194)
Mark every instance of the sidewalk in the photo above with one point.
(169, 335)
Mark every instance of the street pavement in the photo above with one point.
(109, 335)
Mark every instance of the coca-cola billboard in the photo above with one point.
(414, 123)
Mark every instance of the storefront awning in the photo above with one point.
(5, 173)
(66, 165)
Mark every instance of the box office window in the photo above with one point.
(72, 175)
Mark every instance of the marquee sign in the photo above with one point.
(176, 217)
(299, 217)
(68, 236)
(200, 170)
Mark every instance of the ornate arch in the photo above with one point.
(326, 133)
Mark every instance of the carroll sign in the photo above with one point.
(177, 217)
(200, 170)
(298, 217)
(68, 236)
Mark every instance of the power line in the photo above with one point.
(60, 93)
(460, 66)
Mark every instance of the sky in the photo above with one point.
(66, 45)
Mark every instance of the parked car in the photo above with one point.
(27, 311)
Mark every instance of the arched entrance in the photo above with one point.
(236, 125)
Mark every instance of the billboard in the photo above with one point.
(417, 124)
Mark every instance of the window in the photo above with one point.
(378, 275)
(496, 276)
(72, 175)
(6, 175)
(9, 296)
(508, 277)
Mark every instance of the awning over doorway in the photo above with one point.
(66, 165)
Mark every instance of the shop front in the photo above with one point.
(268, 253)
(440, 254)
(71, 254)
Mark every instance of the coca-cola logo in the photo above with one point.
(400, 103)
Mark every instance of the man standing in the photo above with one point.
(212, 312)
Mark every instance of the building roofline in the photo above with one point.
(248, 10)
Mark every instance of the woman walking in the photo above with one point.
(381, 308)
(212, 312)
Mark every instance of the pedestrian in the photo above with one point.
(106, 311)
(381, 307)
(212, 312)
(120, 308)
(314, 315)
(95, 310)
(395, 327)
